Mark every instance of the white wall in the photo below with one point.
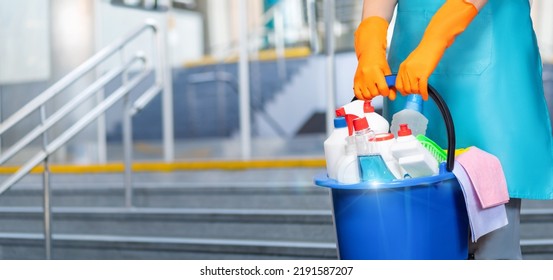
(183, 30)
(25, 42)
(543, 25)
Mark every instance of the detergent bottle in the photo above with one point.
(335, 145)
(348, 167)
(377, 122)
(382, 143)
(351, 111)
(411, 115)
(413, 158)
(371, 164)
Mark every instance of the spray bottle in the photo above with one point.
(372, 166)
(377, 122)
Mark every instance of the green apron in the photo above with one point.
(491, 80)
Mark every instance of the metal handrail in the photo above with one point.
(162, 83)
(66, 109)
(73, 76)
(73, 130)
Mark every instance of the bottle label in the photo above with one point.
(373, 168)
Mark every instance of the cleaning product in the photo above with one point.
(382, 143)
(411, 115)
(415, 159)
(372, 166)
(334, 145)
(351, 111)
(355, 108)
(348, 166)
(377, 122)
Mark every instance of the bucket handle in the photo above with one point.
(446, 114)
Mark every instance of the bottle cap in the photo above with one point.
(404, 130)
(414, 102)
(382, 137)
(340, 112)
(368, 107)
(349, 121)
(340, 122)
(360, 124)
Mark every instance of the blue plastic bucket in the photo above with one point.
(419, 218)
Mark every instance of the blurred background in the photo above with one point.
(186, 129)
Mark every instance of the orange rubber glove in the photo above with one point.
(449, 21)
(370, 46)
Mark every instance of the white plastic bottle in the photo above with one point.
(412, 157)
(354, 108)
(335, 146)
(348, 166)
(377, 122)
(383, 143)
(411, 115)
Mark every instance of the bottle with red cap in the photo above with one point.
(412, 115)
(362, 136)
(377, 122)
(372, 166)
(412, 157)
(382, 143)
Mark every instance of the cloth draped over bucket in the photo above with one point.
(487, 177)
(481, 220)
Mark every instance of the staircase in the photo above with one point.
(212, 101)
(182, 215)
(195, 215)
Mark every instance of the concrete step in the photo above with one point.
(237, 189)
(105, 247)
(537, 249)
(305, 226)
(245, 195)
(536, 223)
(73, 246)
(234, 214)
(269, 225)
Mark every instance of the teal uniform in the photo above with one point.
(491, 80)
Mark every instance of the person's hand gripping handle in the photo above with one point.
(370, 46)
(450, 20)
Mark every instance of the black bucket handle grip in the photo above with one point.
(446, 114)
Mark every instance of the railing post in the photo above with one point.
(243, 70)
(101, 130)
(280, 39)
(329, 10)
(127, 138)
(47, 210)
(164, 77)
(312, 24)
(127, 150)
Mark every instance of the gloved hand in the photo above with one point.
(449, 21)
(370, 46)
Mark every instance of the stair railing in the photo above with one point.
(162, 83)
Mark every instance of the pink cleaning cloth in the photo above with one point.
(482, 221)
(486, 174)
